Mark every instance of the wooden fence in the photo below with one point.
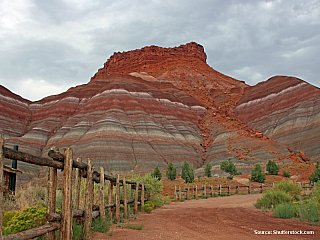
(70, 208)
(210, 191)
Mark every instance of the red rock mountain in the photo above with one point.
(152, 106)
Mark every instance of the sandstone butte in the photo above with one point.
(155, 105)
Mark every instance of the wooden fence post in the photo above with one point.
(136, 196)
(261, 188)
(228, 189)
(51, 202)
(125, 202)
(102, 208)
(237, 189)
(219, 186)
(188, 193)
(196, 195)
(180, 193)
(211, 188)
(175, 192)
(204, 190)
(142, 195)
(88, 200)
(110, 191)
(66, 211)
(117, 200)
(1, 181)
(249, 188)
(77, 187)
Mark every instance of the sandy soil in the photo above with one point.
(232, 217)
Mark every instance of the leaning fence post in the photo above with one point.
(1, 181)
(77, 187)
(102, 208)
(51, 202)
(110, 191)
(142, 195)
(136, 196)
(125, 202)
(66, 211)
(88, 200)
(117, 200)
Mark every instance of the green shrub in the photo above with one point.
(207, 170)
(229, 167)
(135, 226)
(309, 211)
(289, 187)
(205, 196)
(230, 177)
(156, 173)
(286, 174)
(271, 198)
(215, 194)
(147, 208)
(99, 225)
(285, 210)
(29, 218)
(272, 168)
(223, 194)
(7, 216)
(171, 172)
(315, 176)
(257, 175)
(152, 185)
(187, 172)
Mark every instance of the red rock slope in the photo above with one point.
(286, 109)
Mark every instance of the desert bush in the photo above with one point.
(272, 168)
(152, 185)
(156, 173)
(309, 212)
(257, 175)
(286, 174)
(230, 177)
(147, 208)
(207, 170)
(29, 218)
(101, 225)
(271, 198)
(229, 167)
(285, 210)
(289, 187)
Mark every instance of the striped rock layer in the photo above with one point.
(152, 106)
(122, 122)
(285, 109)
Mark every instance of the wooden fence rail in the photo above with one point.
(71, 209)
(210, 190)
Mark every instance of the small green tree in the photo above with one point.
(272, 168)
(229, 167)
(257, 175)
(156, 173)
(207, 170)
(315, 176)
(171, 172)
(187, 172)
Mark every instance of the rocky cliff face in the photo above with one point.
(156, 105)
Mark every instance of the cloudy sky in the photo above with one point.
(48, 46)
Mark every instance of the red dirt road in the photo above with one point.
(232, 217)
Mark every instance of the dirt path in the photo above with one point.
(232, 217)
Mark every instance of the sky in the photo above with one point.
(46, 47)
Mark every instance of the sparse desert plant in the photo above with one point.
(152, 185)
(284, 210)
(100, 225)
(286, 174)
(271, 198)
(229, 167)
(135, 226)
(289, 187)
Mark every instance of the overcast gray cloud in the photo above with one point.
(49, 46)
